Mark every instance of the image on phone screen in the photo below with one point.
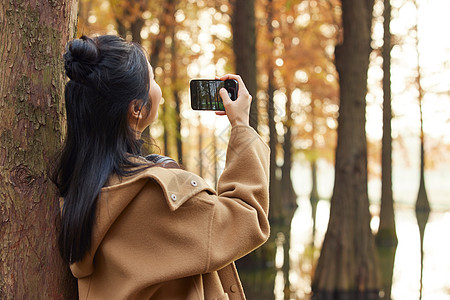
(205, 94)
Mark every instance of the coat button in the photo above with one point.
(234, 288)
(193, 183)
(174, 197)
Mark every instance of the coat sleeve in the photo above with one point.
(240, 216)
(203, 230)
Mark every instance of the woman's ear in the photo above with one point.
(135, 109)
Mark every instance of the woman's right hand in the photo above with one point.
(237, 111)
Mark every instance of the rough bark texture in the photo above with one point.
(347, 267)
(386, 238)
(32, 41)
(244, 46)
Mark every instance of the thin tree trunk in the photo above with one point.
(33, 39)
(422, 204)
(276, 208)
(289, 198)
(347, 267)
(314, 195)
(121, 28)
(84, 7)
(165, 116)
(244, 46)
(136, 28)
(135, 25)
(386, 238)
(314, 198)
(168, 16)
(257, 269)
(215, 158)
(176, 96)
(200, 147)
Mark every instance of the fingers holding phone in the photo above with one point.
(226, 95)
(205, 93)
(238, 110)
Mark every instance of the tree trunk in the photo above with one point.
(33, 38)
(257, 269)
(84, 7)
(215, 158)
(274, 190)
(135, 21)
(422, 204)
(244, 46)
(288, 195)
(200, 147)
(314, 198)
(136, 28)
(176, 96)
(314, 195)
(347, 267)
(386, 238)
(168, 16)
(121, 28)
(166, 117)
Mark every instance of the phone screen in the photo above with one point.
(205, 93)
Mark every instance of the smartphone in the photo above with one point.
(205, 93)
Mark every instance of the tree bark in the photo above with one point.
(33, 39)
(386, 238)
(244, 47)
(347, 267)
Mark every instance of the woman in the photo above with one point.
(136, 229)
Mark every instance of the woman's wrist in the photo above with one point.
(240, 123)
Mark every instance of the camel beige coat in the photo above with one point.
(165, 234)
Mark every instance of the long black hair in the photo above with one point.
(106, 74)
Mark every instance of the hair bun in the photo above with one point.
(80, 58)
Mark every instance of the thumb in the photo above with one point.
(224, 95)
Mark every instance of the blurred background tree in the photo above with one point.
(347, 267)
